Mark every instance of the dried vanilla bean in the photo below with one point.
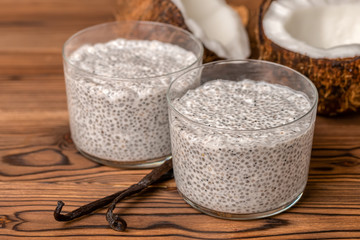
(115, 221)
(161, 173)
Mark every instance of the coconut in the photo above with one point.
(320, 39)
(214, 22)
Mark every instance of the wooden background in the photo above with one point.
(39, 165)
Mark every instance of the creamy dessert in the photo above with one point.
(116, 97)
(241, 147)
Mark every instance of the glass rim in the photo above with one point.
(314, 89)
(90, 28)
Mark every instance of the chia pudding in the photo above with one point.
(237, 148)
(117, 97)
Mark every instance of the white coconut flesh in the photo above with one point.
(315, 28)
(217, 25)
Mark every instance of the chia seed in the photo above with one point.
(116, 97)
(243, 158)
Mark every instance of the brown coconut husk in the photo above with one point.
(337, 79)
(166, 12)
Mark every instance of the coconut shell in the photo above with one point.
(337, 80)
(158, 11)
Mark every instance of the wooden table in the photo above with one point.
(39, 164)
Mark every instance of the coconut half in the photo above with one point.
(320, 39)
(217, 25)
(214, 22)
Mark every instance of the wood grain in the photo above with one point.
(39, 164)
